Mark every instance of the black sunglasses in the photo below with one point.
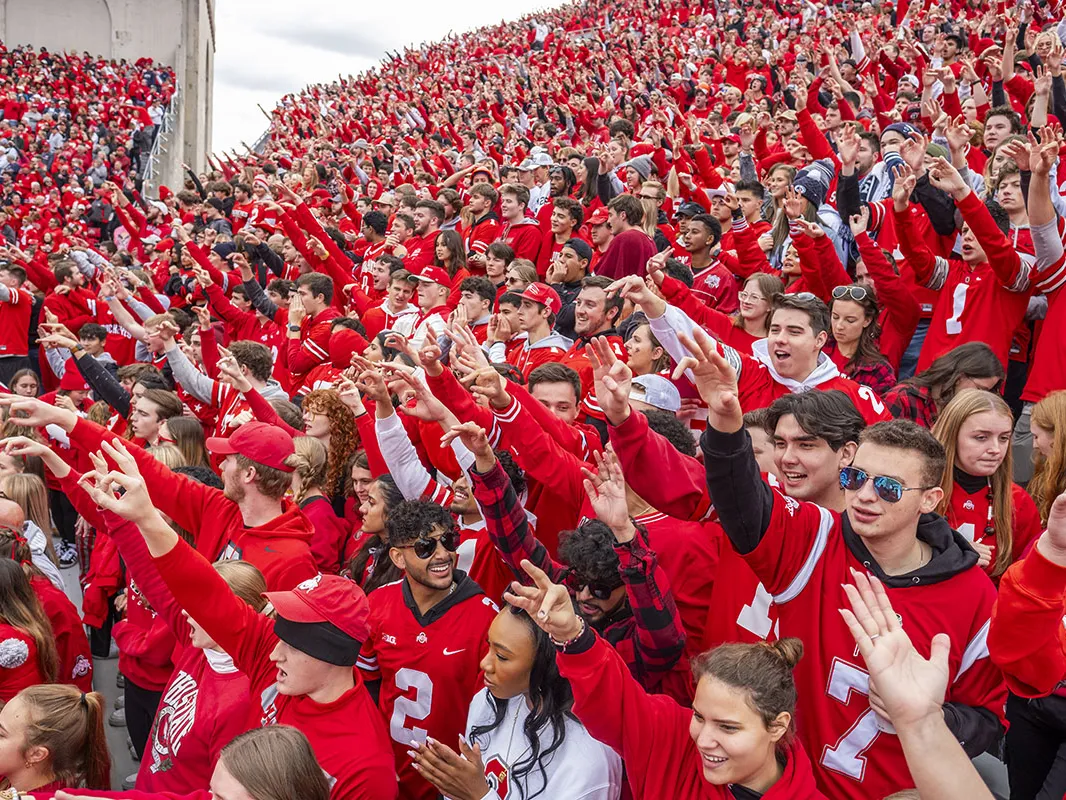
(575, 583)
(888, 489)
(426, 546)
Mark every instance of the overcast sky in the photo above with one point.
(268, 48)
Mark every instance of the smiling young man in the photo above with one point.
(536, 315)
(804, 553)
(789, 359)
(427, 637)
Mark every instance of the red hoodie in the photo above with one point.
(651, 732)
(75, 660)
(281, 548)
(347, 735)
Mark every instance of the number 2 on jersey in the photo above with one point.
(406, 708)
(846, 756)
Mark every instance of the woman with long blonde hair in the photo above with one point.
(1048, 424)
(981, 500)
(31, 494)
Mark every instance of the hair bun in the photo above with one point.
(789, 650)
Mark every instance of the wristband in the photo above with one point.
(294, 328)
(563, 645)
(76, 348)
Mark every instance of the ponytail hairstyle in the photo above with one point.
(963, 406)
(764, 671)
(308, 463)
(376, 545)
(70, 725)
(13, 545)
(1049, 475)
(20, 608)
(275, 763)
(552, 701)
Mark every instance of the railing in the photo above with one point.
(261, 142)
(165, 127)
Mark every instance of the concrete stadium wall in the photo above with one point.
(179, 33)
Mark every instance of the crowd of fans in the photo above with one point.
(634, 400)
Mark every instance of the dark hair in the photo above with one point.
(756, 188)
(827, 415)
(167, 401)
(571, 207)
(628, 206)
(20, 608)
(281, 286)
(376, 221)
(682, 272)
(816, 310)
(487, 191)
(510, 299)
(871, 139)
(676, 432)
(317, 284)
(514, 472)
(999, 216)
(254, 355)
(552, 701)
(763, 670)
(289, 412)
(188, 435)
(384, 571)
(622, 127)
(969, 360)
(434, 208)
(1009, 113)
(866, 350)
(589, 552)
(502, 251)
(711, 224)
(454, 242)
(203, 475)
(902, 434)
(554, 372)
(589, 191)
(413, 519)
(480, 285)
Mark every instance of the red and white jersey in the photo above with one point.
(233, 409)
(429, 667)
(716, 286)
(969, 516)
(15, 316)
(804, 560)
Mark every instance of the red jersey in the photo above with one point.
(428, 665)
(15, 313)
(524, 237)
(741, 610)
(72, 645)
(804, 558)
(420, 252)
(347, 735)
(481, 233)
(969, 515)
(977, 302)
(716, 286)
(240, 214)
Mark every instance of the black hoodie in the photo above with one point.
(744, 503)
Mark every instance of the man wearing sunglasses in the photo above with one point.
(427, 637)
(803, 553)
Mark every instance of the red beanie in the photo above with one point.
(342, 344)
(72, 380)
(165, 193)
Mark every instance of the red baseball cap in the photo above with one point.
(545, 295)
(165, 244)
(326, 598)
(72, 380)
(434, 275)
(257, 441)
(598, 217)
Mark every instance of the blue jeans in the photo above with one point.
(909, 363)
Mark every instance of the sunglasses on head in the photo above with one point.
(890, 490)
(856, 293)
(575, 583)
(426, 546)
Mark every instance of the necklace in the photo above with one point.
(990, 528)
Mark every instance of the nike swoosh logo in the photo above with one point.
(448, 652)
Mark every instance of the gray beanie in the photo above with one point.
(642, 164)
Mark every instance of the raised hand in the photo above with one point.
(793, 204)
(908, 687)
(230, 372)
(491, 385)
(847, 140)
(715, 379)
(606, 490)
(29, 412)
(474, 439)
(913, 152)
(613, 380)
(903, 187)
(944, 176)
(548, 604)
(860, 222)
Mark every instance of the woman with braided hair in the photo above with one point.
(327, 419)
(309, 464)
